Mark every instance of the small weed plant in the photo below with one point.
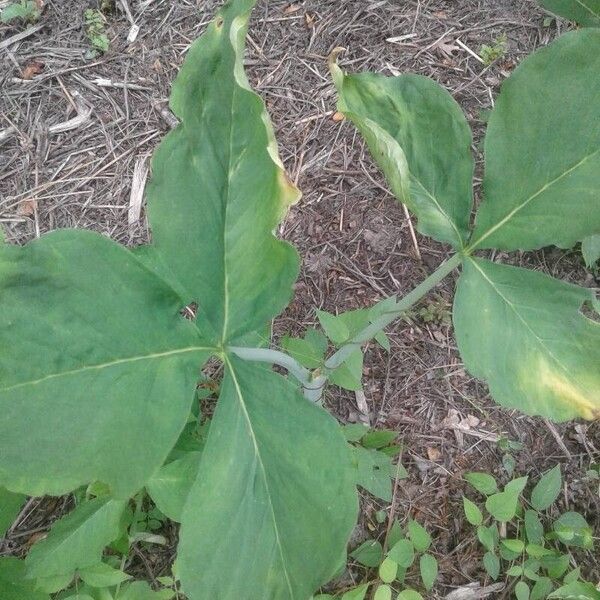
(24, 10)
(524, 543)
(95, 29)
(497, 50)
(101, 377)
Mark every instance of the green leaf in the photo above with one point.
(409, 595)
(219, 190)
(419, 536)
(488, 536)
(94, 355)
(349, 374)
(514, 545)
(383, 592)
(578, 590)
(491, 563)
(515, 571)
(590, 248)
(516, 486)
(403, 553)
(170, 485)
(482, 482)
(395, 534)
(369, 553)
(141, 590)
(308, 351)
(523, 333)
(573, 530)
(26, 10)
(572, 576)
(533, 527)
(503, 506)
(387, 570)
(13, 582)
(77, 540)
(419, 137)
(276, 469)
(538, 551)
(547, 489)
(373, 470)
(354, 432)
(357, 593)
(541, 588)
(522, 591)
(378, 439)
(102, 575)
(335, 328)
(555, 565)
(541, 182)
(428, 566)
(472, 512)
(584, 12)
(10, 506)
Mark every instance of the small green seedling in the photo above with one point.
(522, 541)
(373, 453)
(490, 54)
(95, 29)
(25, 10)
(407, 556)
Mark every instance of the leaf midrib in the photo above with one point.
(590, 10)
(108, 365)
(526, 202)
(263, 472)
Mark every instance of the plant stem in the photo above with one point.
(369, 332)
(274, 357)
(313, 383)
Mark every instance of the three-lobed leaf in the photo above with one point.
(219, 189)
(525, 334)
(542, 157)
(275, 470)
(421, 140)
(94, 355)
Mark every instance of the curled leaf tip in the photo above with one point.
(333, 56)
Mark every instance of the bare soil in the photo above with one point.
(358, 245)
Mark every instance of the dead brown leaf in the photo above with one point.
(27, 207)
(433, 454)
(292, 8)
(32, 68)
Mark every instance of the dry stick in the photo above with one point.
(412, 233)
(20, 36)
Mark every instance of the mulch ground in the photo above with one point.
(76, 132)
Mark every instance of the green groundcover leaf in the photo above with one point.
(77, 540)
(219, 189)
(95, 364)
(170, 486)
(524, 333)
(590, 248)
(274, 502)
(542, 165)
(584, 12)
(14, 585)
(419, 137)
(10, 505)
